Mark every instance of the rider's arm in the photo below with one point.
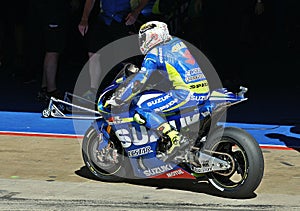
(125, 93)
(135, 84)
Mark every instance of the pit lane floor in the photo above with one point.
(39, 173)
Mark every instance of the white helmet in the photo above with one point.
(151, 34)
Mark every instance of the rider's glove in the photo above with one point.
(139, 119)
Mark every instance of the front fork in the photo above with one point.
(106, 151)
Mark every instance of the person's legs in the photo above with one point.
(50, 70)
(95, 77)
(55, 32)
(48, 85)
(98, 36)
(95, 39)
(95, 73)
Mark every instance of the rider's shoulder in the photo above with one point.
(176, 45)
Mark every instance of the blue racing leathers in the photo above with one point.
(189, 86)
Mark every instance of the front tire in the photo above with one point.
(96, 162)
(247, 166)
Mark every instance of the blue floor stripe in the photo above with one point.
(282, 135)
(279, 135)
(35, 123)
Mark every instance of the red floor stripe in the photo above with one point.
(275, 147)
(46, 135)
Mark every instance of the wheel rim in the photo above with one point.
(46, 113)
(97, 161)
(238, 173)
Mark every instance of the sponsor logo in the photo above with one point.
(160, 55)
(201, 169)
(196, 169)
(189, 120)
(198, 98)
(178, 47)
(194, 78)
(175, 173)
(140, 151)
(199, 85)
(158, 170)
(131, 136)
(195, 71)
(168, 105)
(53, 25)
(159, 100)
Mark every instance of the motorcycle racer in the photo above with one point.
(189, 86)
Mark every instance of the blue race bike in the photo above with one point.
(116, 148)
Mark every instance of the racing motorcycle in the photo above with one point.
(115, 147)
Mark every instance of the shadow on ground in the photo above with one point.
(289, 141)
(175, 184)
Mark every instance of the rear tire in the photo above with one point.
(247, 168)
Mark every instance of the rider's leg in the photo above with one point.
(178, 141)
(154, 120)
(151, 114)
(151, 111)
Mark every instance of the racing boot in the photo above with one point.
(179, 143)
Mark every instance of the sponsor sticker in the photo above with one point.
(140, 151)
(175, 173)
(158, 170)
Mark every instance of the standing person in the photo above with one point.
(189, 86)
(46, 34)
(111, 24)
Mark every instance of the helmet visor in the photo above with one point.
(142, 39)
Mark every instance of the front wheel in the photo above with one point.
(247, 162)
(105, 161)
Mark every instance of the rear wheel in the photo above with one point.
(247, 163)
(107, 163)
